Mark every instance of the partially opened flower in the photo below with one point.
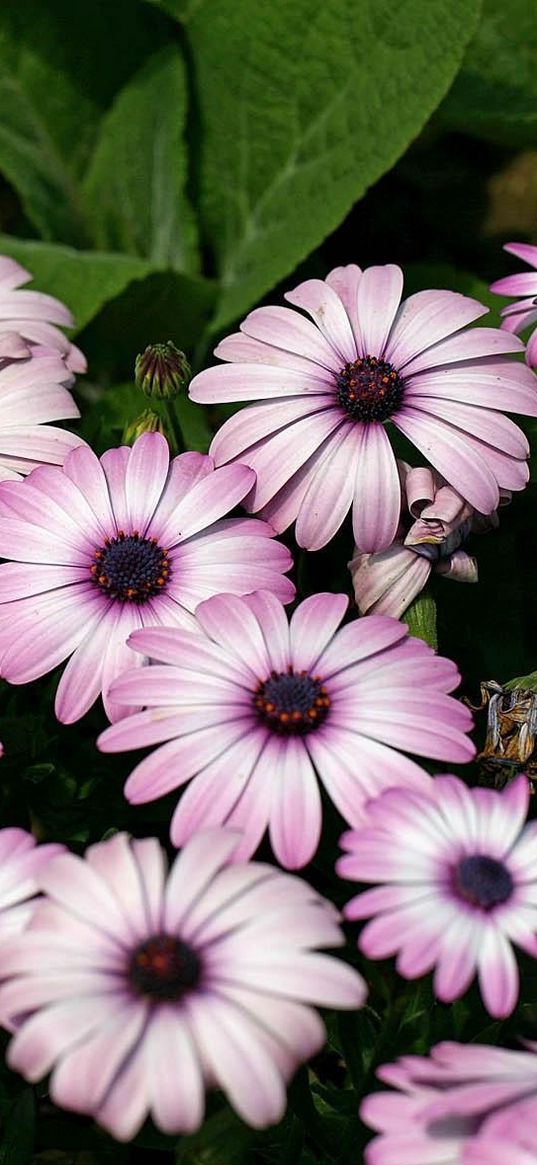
(29, 319)
(34, 391)
(319, 444)
(453, 1106)
(457, 885)
(435, 522)
(137, 990)
(21, 863)
(523, 313)
(103, 547)
(258, 711)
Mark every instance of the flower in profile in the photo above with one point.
(34, 391)
(435, 522)
(105, 546)
(318, 441)
(21, 863)
(453, 1106)
(523, 313)
(457, 885)
(258, 711)
(137, 989)
(29, 319)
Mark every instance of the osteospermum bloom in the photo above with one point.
(21, 862)
(435, 522)
(522, 314)
(29, 319)
(258, 711)
(34, 391)
(136, 989)
(104, 546)
(318, 442)
(457, 885)
(453, 1106)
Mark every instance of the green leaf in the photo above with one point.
(495, 94)
(420, 618)
(305, 106)
(136, 178)
(179, 9)
(84, 280)
(60, 66)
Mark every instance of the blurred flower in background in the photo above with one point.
(522, 314)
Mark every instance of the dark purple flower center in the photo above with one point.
(164, 968)
(130, 568)
(370, 389)
(482, 881)
(291, 703)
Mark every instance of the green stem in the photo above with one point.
(420, 618)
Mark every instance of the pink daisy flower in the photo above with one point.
(457, 874)
(453, 1106)
(103, 547)
(318, 442)
(29, 318)
(137, 989)
(522, 314)
(21, 863)
(34, 391)
(435, 522)
(259, 711)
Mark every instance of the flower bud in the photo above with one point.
(147, 422)
(162, 371)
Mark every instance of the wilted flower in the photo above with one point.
(258, 711)
(523, 313)
(137, 989)
(511, 740)
(105, 546)
(318, 442)
(435, 522)
(458, 1106)
(457, 875)
(28, 320)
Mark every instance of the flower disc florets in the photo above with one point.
(292, 703)
(130, 568)
(164, 969)
(482, 881)
(369, 389)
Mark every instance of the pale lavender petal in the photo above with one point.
(377, 491)
(296, 817)
(379, 296)
(424, 319)
(230, 382)
(498, 973)
(289, 330)
(328, 497)
(327, 311)
(312, 626)
(451, 453)
(466, 345)
(256, 422)
(171, 1057)
(276, 459)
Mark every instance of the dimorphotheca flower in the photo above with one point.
(435, 522)
(28, 319)
(136, 989)
(257, 710)
(102, 547)
(21, 862)
(457, 874)
(453, 1106)
(34, 391)
(318, 442)
(522, 314)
